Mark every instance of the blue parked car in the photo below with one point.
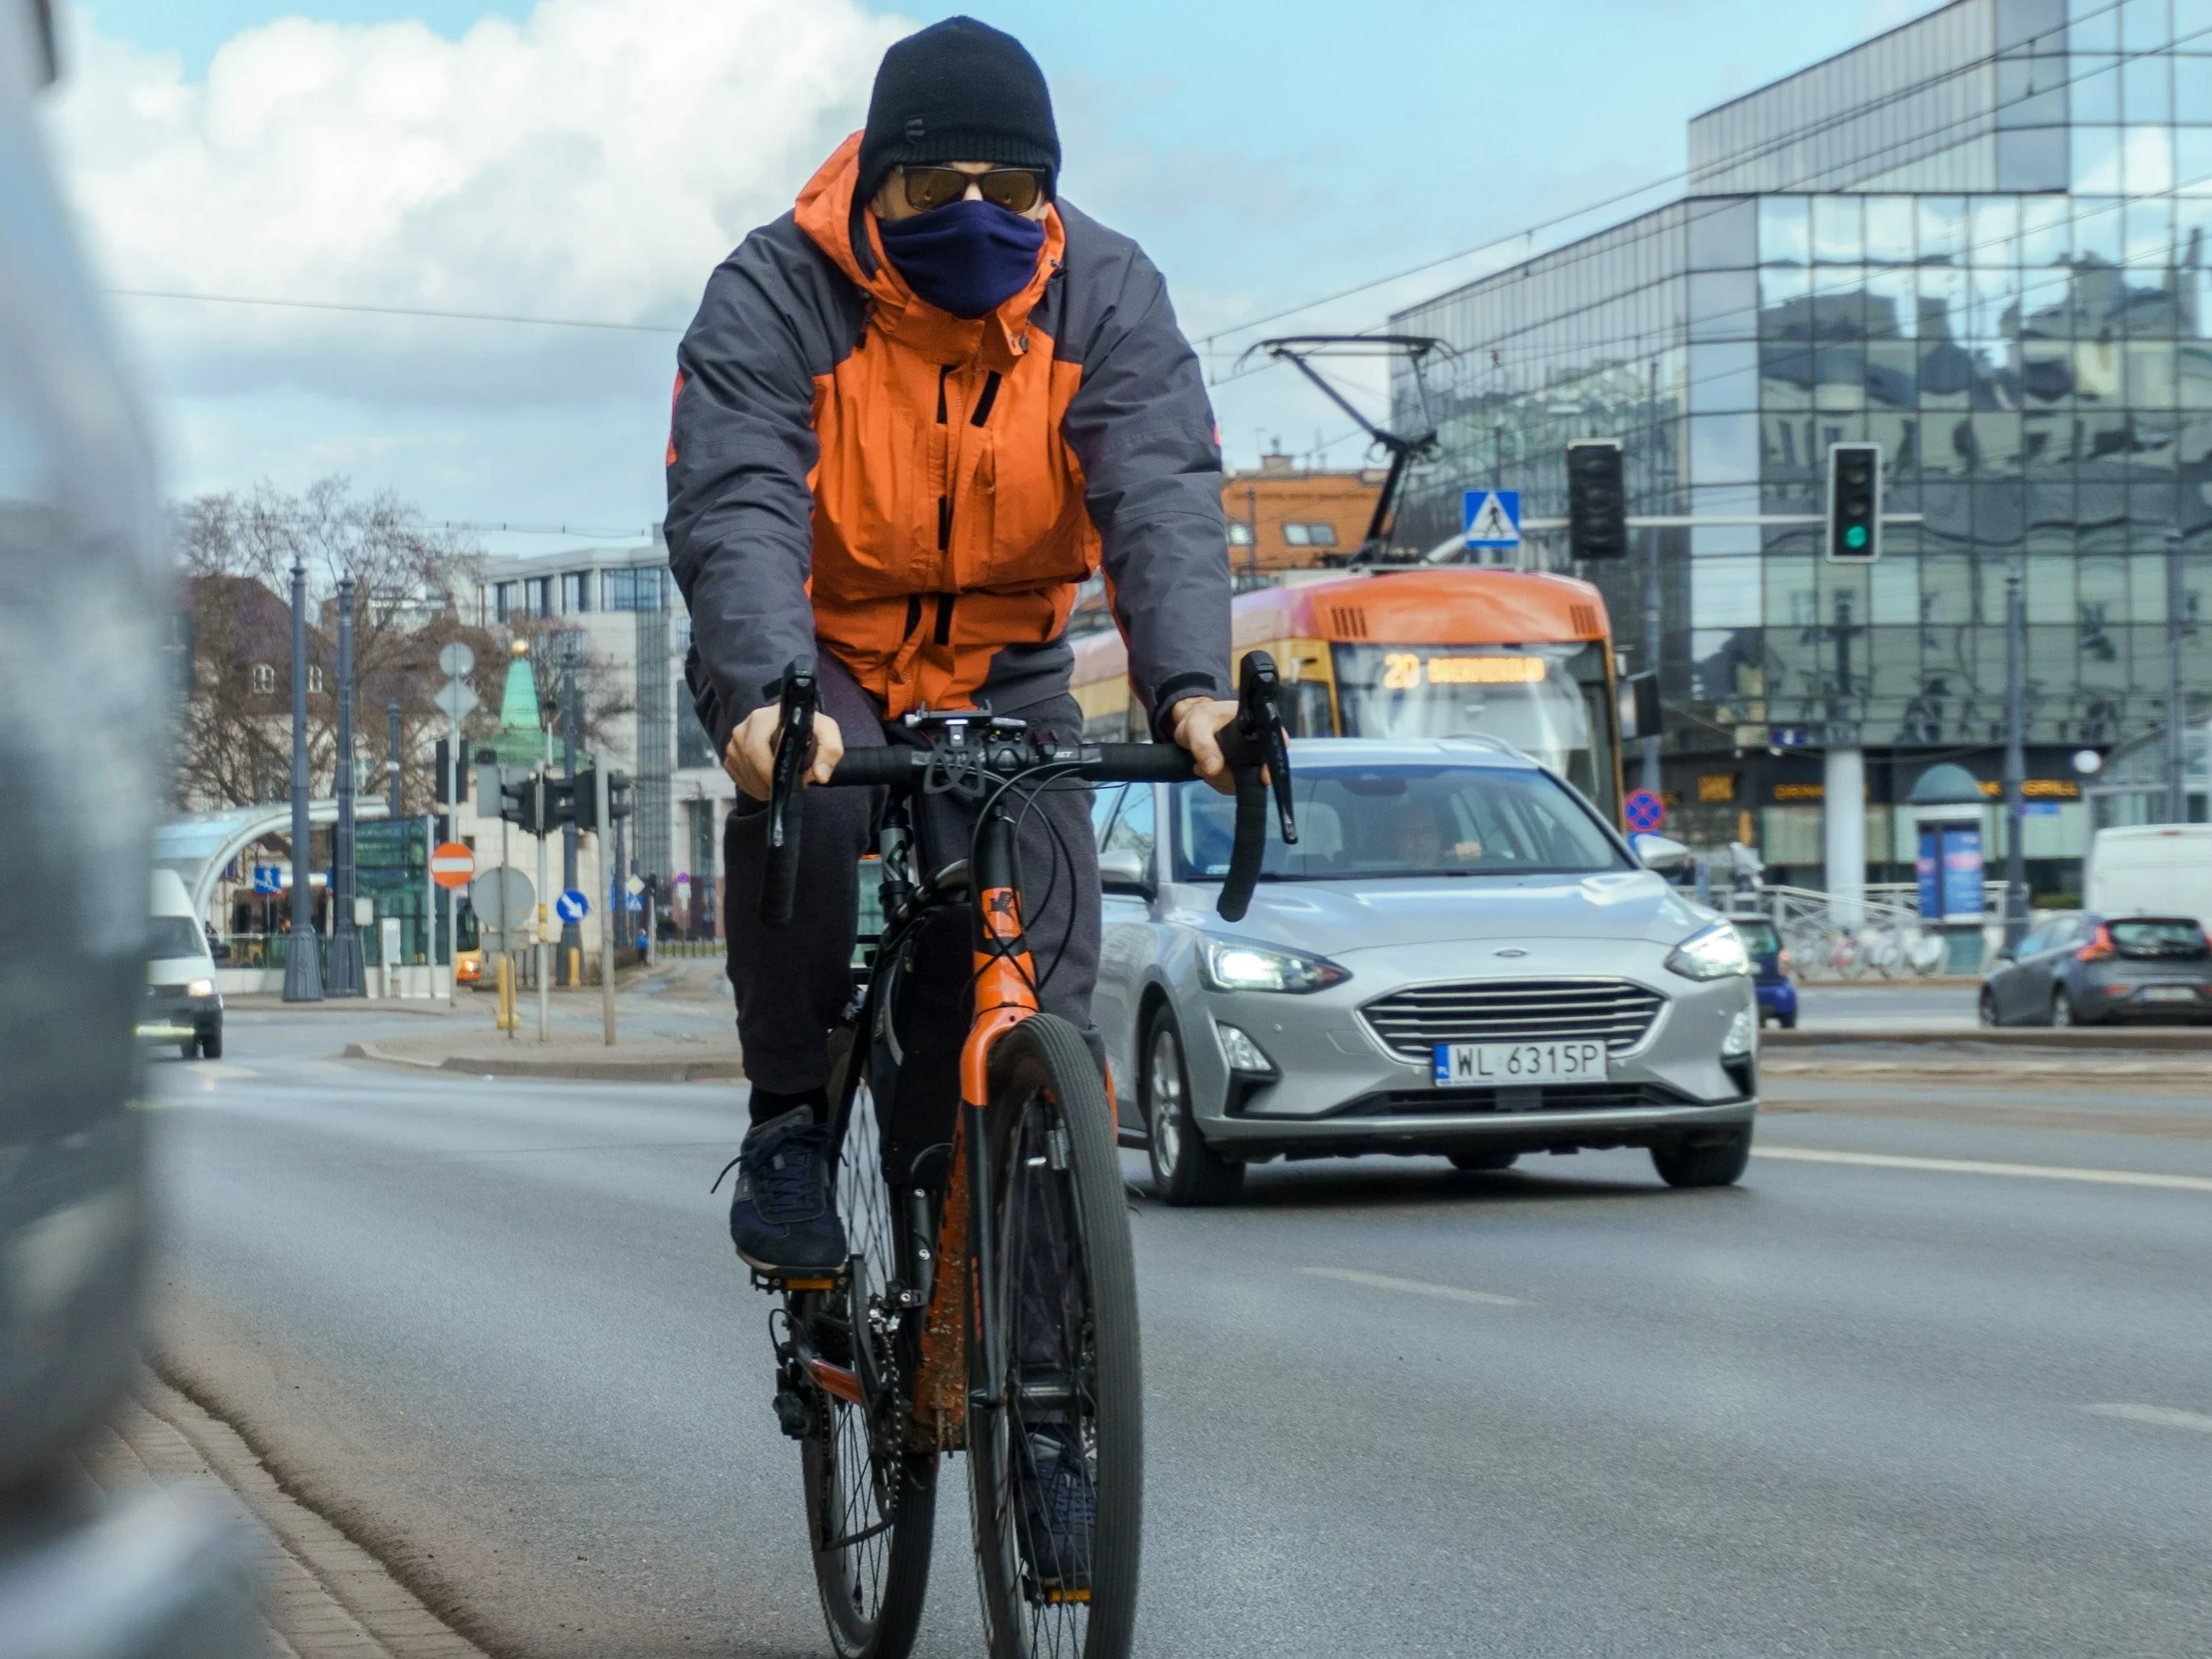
(1769, 971)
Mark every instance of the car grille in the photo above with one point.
(1413, 1021)
(1543, 1097)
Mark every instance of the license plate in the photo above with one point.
(2169, 993)
(1475, 1064)
(159, 1031)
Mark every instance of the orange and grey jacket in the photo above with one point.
(921, 494)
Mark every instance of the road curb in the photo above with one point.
(2158, 1039)
(323, 1595)
(558, 1068)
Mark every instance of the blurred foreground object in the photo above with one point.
(84, 698)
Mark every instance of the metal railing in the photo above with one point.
(1827, 940)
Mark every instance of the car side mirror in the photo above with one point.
(1662, 854)
(1125, 870)
(2007, 954)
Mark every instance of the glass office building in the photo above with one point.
(1979, 240)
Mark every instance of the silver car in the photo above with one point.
(1459, 958)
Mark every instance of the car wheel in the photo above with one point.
(211, 1043)
(1985, 1012)
(1478, 1163)
(1185, 1169)
(1717, 1164)
(188, 1051)
(2062, 1009)
(1788, 1022)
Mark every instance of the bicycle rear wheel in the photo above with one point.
(1056, 1414)
(871, 1504)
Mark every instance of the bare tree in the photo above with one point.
(237, 551)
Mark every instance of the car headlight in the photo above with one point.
(1229, 966)
(1743, 1034)
(200, 987)
(1713, 952)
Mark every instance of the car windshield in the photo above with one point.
(168, 937)
(1389, 820)
(1759, 938)
(2158, 939)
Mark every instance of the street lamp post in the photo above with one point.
(392, 765)
(2016, 760)
(2177, 714)
(572, 938)
(348, 975)
(303, 968)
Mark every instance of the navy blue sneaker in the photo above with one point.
(782, 1219)
(1059, 1513)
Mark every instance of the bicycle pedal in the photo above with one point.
(774, 1282)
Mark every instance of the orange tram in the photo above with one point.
(1425, 652)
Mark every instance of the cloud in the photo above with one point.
(594, 161)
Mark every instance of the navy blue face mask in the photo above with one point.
(966, 258)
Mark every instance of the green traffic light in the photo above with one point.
(1855, 538)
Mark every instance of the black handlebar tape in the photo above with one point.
(885, 763)
(1250, 848)
(787, 812)
(1142, 762)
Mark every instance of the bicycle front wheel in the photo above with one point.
(1056, 1414)
(871, 1504)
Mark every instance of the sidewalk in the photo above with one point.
(574, 1054)
(322, 1595)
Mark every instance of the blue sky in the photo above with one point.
(1265, 153)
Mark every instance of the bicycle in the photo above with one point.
(988, 1300)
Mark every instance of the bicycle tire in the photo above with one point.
(1070, 1373)
(869, 1523)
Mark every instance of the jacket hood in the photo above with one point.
(825, 212)
(1342, 918)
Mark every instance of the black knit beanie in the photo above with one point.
(957, 91)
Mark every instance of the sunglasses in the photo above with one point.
(1016, 189)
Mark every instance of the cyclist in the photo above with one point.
(909, 418)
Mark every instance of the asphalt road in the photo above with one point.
(1894, 1004)
(1851, 1407)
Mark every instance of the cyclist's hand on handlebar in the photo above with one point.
(1196, 723)
(750, 760)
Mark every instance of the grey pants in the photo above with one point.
(792, 983)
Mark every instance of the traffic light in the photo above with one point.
(522, 803)
(1854, 503)
(1597, 505)
(585, 798)
(442, 759)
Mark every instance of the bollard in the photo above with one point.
(506, 1021)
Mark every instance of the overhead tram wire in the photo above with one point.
(1731, 158)
(1734, 158)
(392, 311)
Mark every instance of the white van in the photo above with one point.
(182, 1003)
(2153, 870)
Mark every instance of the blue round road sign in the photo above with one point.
(1644, 811)
(572, 906)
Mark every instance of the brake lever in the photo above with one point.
(794, 753)
(1260, 722)
(794, 749)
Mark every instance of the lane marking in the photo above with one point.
(1414, 1286)
(2177, 1184)
(2165, 1416)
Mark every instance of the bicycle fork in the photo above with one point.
(1006, 995)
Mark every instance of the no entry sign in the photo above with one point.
(451, 863)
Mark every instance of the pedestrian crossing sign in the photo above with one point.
(1492, 518)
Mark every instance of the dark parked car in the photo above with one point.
(2080, 968)
(1770, 971)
